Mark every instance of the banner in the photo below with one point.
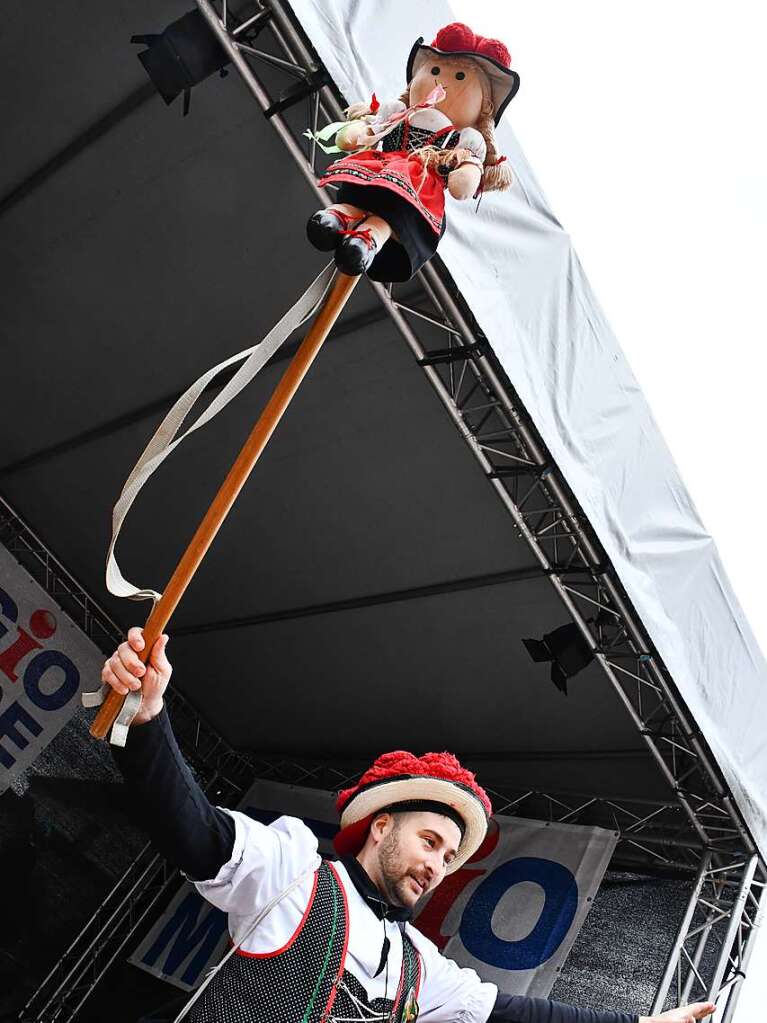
(512, 912)
(45, 661)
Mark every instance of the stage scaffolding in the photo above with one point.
(698, 832)
(722, 910)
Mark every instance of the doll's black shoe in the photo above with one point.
(323, 228)
(356, 251)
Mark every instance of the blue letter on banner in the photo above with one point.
(561, 901)
(35, 670)
(186, 933)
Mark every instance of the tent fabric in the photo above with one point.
(516, 267)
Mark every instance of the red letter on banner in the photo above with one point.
(10, 657)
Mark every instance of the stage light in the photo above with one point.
(566, 648)
(183, 55)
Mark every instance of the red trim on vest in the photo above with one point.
(395, 1008)
(294, 935)
(342, 966)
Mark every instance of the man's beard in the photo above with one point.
(393, 878)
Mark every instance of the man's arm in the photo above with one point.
(521, 1009)
(170, 805)
(455, 994)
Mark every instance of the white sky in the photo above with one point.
(644, 124)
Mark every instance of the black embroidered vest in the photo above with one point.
(305, 981)
(407, 136)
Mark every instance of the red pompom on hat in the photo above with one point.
(435, 781)
(458, 40)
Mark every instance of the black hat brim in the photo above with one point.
(507, 80)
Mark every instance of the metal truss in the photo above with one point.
(224, 773)
(710, 954)
(482, 404)
(698, 829)
(652, 830)
(30, 551)
(484, 407)
(653, 836)
(75, 975)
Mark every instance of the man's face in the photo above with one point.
(413, 852)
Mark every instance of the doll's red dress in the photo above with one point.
(393, 183)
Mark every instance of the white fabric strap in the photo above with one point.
(235, 947)
(130, 708)
(94, 699)
(165, 439)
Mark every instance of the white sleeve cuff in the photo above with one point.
(387, 108)
(472, 140)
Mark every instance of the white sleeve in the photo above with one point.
(263, 863)
(471, 139)
(450, 993)
(387, 108)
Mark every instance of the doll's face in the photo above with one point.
(461, 78)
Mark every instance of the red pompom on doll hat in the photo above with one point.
(402, 781)
(458, 40)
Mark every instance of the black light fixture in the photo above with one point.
(183, 55)
(566, 648)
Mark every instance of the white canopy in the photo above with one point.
(516, 268)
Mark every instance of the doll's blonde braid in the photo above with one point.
(497, 176)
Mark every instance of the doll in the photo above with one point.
(389, 213)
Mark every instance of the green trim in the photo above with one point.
(328, 953)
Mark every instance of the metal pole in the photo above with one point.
(694, 963)
(753, 937)
(676, 950)
(257, 90)
(732, 929)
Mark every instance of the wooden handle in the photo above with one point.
(230, 488)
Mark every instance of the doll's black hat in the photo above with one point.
(458, 40)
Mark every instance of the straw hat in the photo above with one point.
(399, 782)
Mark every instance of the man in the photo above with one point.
(321, 942)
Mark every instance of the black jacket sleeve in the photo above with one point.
(186, 828)
(521, 1009)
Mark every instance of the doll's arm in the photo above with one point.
(463, 180)
(363, 123)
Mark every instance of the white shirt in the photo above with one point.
(264, 862)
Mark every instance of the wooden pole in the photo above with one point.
(230, 488)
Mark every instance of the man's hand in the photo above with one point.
(684, 1014)
(125, 673)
